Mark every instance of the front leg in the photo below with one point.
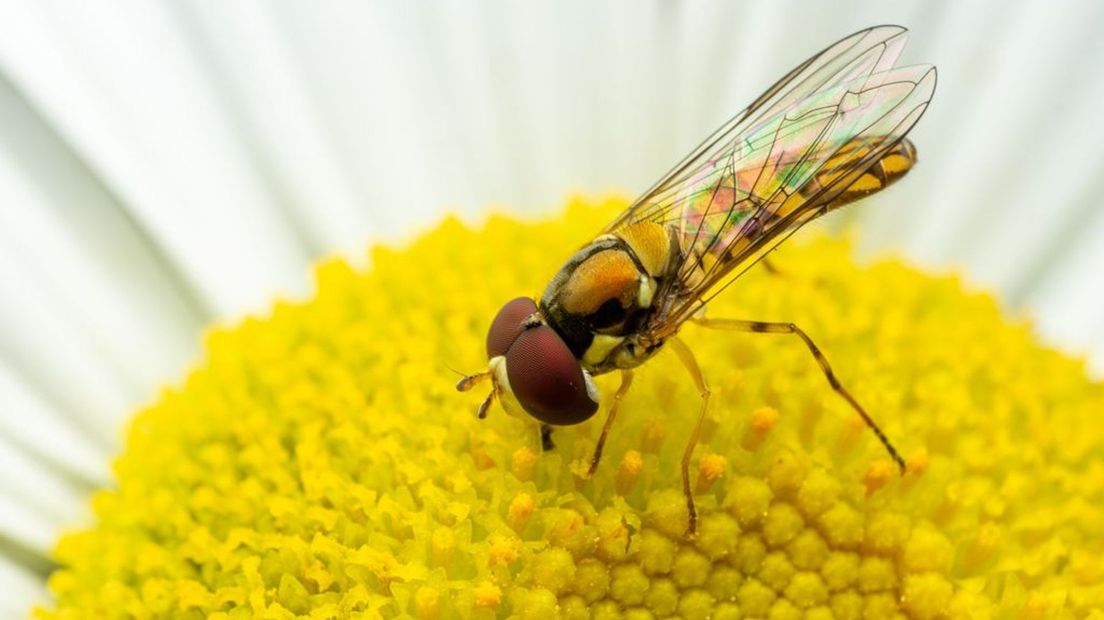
(626, 382)
(547, 445)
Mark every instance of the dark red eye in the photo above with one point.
(507, 325)
(547, 379)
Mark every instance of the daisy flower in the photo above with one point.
(168, 169)
(317, 462)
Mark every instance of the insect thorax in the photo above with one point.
(605, 294)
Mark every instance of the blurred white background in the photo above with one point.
(164, 165)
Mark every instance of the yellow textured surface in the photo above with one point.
(318, 463)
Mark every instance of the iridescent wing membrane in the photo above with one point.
(781, 163)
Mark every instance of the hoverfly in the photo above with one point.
(828, 133)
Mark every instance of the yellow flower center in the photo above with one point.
(319, 464)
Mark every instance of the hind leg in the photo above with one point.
(764, 327)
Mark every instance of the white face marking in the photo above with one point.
(592, 390)
(497, 366)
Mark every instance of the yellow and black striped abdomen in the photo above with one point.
(849, 167)
(890, 167)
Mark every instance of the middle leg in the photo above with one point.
(686, 356)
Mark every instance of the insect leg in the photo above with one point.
(547, 445)
(686, 356)
(763, 327)
(471, 381)
(485, 405)
(626, 381)
(772, 268)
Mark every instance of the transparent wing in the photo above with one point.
(731, 210)
(863, 53)
(781, 163)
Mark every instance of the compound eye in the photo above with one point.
(547, 380)
(507, 325)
